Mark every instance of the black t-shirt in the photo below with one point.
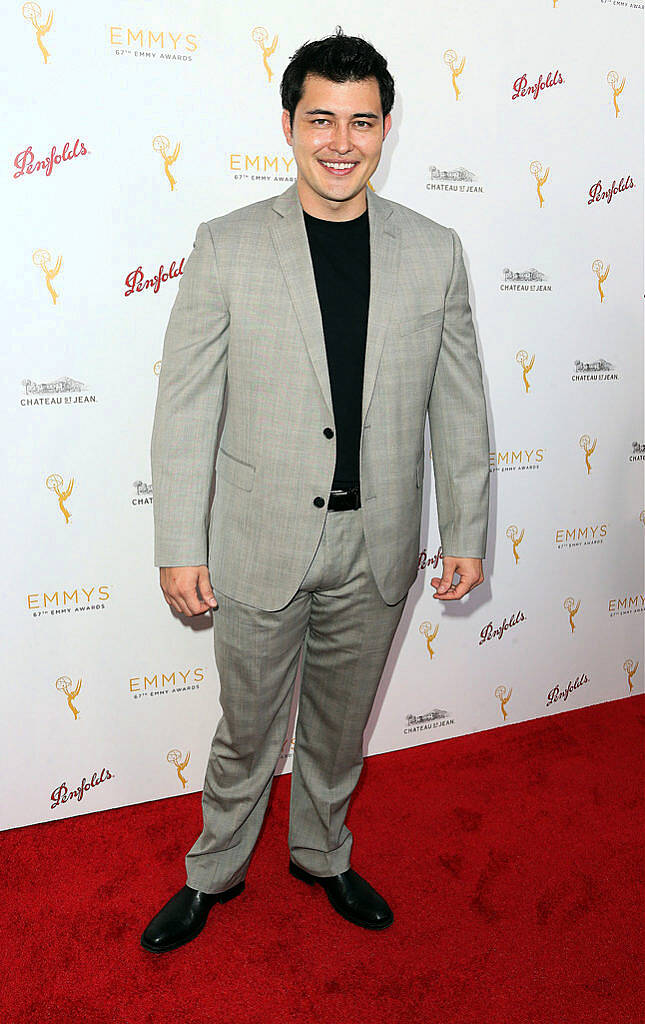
(340, 254)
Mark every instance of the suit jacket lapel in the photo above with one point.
(385, 254)
(290, 240)
(292, 246)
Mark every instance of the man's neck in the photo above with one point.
(325, 209)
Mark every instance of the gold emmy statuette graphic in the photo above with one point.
(631, 669)
(65, 685)
(450, 58)
(429, 633)
(516, 539)
(369, 184)
(174, 757)
(41, 259)
(161, 144)
(616, 89)
(260, 35)
(601, 274)
(522, 358)
(535, 167)
(503, 695)
(32, 12)
(156, 369)
(588, 448)
(570, 605)
(55, 483)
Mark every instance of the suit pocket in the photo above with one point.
(421, 322)
(234, 471)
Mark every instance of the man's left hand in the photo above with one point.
(470, 575)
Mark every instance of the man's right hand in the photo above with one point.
(187, 588)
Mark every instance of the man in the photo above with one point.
(337, 319)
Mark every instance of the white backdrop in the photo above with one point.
(108, 699)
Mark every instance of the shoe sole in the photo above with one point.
(224, 897)
(309, 879)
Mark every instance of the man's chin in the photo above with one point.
(340, 194)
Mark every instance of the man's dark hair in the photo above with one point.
(339, 58)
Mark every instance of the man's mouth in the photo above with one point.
(339, 167)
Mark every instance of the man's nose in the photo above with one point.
(341, 142)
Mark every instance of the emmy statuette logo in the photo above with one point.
(450, 58)
(429, 633)
(503, 695)
(42, 258)
(65, 685)
(54, 483)
(588, 446)
(601, 273)
(535, 167)
(260, 35)
(572, 608)
(612, 78)
(33, 14)
(175, 757)
(161, 145)
(522, 357)
(516, 539)
(630, 668)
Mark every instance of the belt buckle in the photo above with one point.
(349, 492)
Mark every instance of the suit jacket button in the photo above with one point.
(328, 432)
(319, 502)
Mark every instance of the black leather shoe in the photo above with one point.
(183, 917)
(351, 896)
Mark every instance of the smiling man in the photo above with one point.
(336, 150)
(337, 320)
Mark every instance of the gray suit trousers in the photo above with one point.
(346, 628)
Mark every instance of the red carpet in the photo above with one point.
(512, 860)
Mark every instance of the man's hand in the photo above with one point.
(180, 585)
(470, 575)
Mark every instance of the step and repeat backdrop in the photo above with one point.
(126, 125)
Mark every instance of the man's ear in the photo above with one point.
(286, 125)
(387, 124)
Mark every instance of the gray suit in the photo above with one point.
(247, 313)
(247, 308)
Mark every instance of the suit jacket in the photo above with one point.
(247, 313)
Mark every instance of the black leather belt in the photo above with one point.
(339, 501)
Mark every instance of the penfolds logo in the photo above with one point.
(62, 793)
(561, 693)
(522, 88)
(597, 193)
(490, 632)
(136, 281)
(25, 162)
(426, 560)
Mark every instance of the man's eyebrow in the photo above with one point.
(332, 114)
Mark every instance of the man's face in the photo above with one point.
(336, 137)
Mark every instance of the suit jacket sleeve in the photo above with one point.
(459, 425)
(189, 404)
